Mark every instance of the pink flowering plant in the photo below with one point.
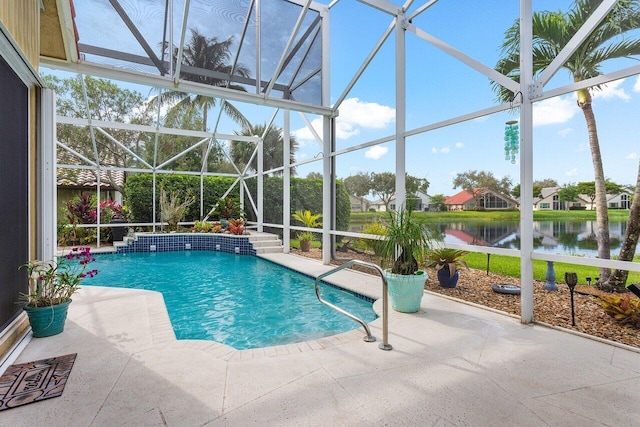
(54, 282)
(111, 210)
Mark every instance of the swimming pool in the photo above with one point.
(239, 300)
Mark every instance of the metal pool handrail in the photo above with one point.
(385, 321)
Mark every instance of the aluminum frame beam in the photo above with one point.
(185, 86)
(138, 36)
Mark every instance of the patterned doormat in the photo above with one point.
(34, 381)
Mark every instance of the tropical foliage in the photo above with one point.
(243, 152)
(172, 210)
(446, 257)
(408, 240)
(213, 55)
(309, 220)
(613, 38)
(104, 101)
(623, 308)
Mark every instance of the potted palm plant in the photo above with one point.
(446, 262)
(407, 241)
(51, 285)
(309, 220)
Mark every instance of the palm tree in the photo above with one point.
(208, 54)
(631, 235)
(273, 145)
(551, 32)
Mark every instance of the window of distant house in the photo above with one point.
(491, 201)
(545, 205)
(624, 201)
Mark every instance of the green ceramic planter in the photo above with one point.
(49, 320)
(405, 291)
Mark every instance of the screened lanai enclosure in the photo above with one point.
(199, 86)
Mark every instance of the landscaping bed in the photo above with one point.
(551, 307)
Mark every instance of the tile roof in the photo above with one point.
(459, 198)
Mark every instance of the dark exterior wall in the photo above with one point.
(14, 191)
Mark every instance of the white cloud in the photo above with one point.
(572, 172)
(355, 115)
(376, 152)
(633, 156)
(305, 136)
(564, 132)
(611, 90)
(581, 148)
(444, 150)
(636, 86)
(554, 110)
(459, 144)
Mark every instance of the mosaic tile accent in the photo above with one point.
(197, 242)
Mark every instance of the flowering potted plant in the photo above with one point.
(51, 285)
(115, 214)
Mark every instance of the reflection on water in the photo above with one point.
(557, 237)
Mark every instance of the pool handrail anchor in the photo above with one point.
(384, 345)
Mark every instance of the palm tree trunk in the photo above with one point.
(602, 214)
(618, 279)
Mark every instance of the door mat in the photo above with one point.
(34, 381)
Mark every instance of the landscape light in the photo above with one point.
(571, 279)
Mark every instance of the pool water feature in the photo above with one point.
(238, 300)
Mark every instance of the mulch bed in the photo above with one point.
(551, 307)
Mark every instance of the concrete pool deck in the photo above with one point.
(452, 364)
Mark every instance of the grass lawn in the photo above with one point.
(510, 266)
(295, 243)
(614, 215)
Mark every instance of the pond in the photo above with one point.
(577, 238)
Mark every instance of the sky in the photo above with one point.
(439, 88)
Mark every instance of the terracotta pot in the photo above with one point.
(305, 245)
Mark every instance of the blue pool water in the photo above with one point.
(239, 300)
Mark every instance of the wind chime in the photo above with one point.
(511, 139)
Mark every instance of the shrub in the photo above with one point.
(625, 309)
(139, 193)
(82, 209)
(306, 194)
(378, 229)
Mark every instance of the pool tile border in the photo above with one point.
(148, 242)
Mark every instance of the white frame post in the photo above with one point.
(326, 190)
(526, 162)
(47, 182)
(260, 189)
(286, 182)
(400, 195)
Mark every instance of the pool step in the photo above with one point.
(265, 243)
